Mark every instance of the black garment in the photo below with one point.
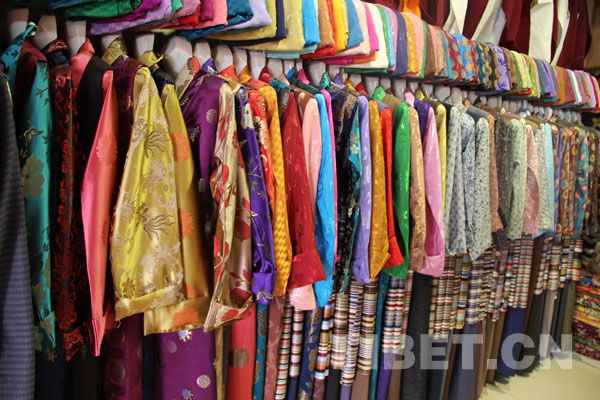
(436, 377)
(414, 379)
(89, 100)
(148, 360)
(559, 312)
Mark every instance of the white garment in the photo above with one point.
(489, 28)
(456, 18)
(540, 35)
(492, 23)
(562, 15)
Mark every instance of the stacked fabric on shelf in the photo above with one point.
(586, 320)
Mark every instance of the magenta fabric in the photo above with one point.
(207, 10)
(185, 367)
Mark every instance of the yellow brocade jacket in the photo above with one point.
(145, 246)
(191, 311)
(378, 243)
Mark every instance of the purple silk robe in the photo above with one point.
(263, 258)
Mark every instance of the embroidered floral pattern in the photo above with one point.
(70, 287)
(232, 297)
(145, 240)
(32, 110)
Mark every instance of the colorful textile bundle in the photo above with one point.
(586, 324)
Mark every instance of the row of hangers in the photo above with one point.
(178, 50)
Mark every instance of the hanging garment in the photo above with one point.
(382, 295)
(185, 365)
(98, 127)
(519, 176)
(250, 137)
(346, 125)
(496, 220)
(242, 336)
(348, 372)
(27, 74)
(417, 193)
(70, 287)
(326, 223)
(482, 225)
(303, 297)
(491, 24)
(402, 151)
(306, 266)
(360, 386)
(259, 378)
(310, 342)
(124, 342)
(572, 56)
(414, 379)
(325, 216)
(434, 12)
(145, 232)
(399, 147)
(455, 22)
(433, 261)
(232, 296)
(17, 331)
(281, 235)
(361, 258)
(591, 61)
(378, 244)
(276, 310)
(242, 352)
(190, 312)
(540, 39)
(517, 29)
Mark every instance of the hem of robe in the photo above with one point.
(178, 316)
(127, 307)
(100, 325)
